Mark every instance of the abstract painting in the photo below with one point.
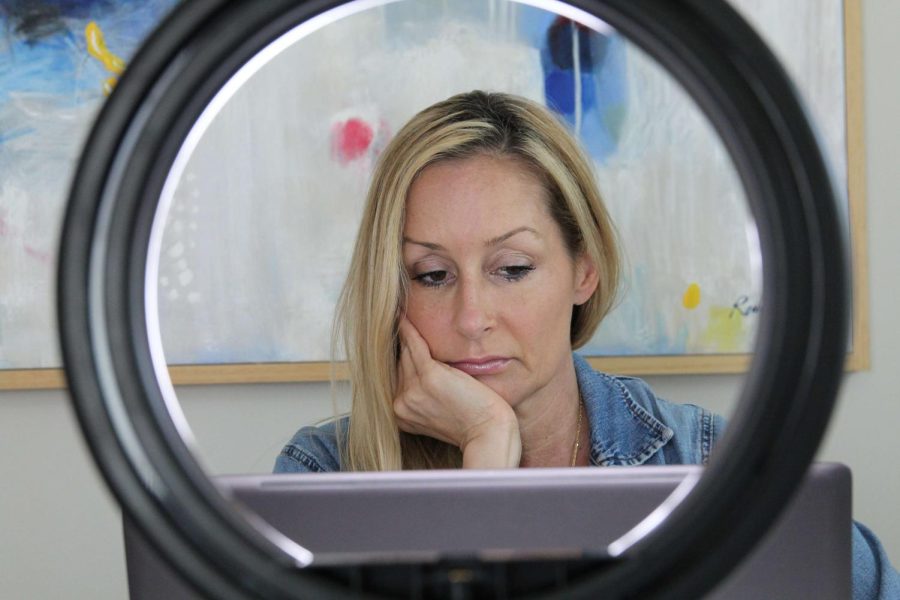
(263, 217)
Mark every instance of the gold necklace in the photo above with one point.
(577, 443)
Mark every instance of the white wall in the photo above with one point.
(59, 530)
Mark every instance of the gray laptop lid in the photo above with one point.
(534, 512)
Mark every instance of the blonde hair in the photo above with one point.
(462, 126)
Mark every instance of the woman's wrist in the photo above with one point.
(494, 444)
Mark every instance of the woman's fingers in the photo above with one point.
(409, 388)
(418, 347)
(407, 368)
(432, 375)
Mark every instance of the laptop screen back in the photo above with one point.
(540, 511)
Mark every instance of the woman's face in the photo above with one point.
(492, 285)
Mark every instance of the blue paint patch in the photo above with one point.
(35, 20)
(45, 51)
(601, 77)
(559, 87)
(7, 136)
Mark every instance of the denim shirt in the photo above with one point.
(629, 425)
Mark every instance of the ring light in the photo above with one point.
(121, 397)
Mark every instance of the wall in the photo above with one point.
(59, 529)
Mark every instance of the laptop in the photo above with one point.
(533, 512)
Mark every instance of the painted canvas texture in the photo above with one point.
(58, 62)
(261, 224)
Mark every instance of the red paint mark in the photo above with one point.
(37, 254)
(4, 228)
(351, 139)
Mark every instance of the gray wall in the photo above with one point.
(59, 529)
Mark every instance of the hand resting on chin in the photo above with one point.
(442, 402)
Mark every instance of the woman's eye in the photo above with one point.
(433, 278)
(515, 272)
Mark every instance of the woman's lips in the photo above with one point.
(482, 366)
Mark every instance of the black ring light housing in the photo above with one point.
(784, 409)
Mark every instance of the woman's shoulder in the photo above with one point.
(678, 415)
(313, 448)
(670, 432)
(695, 429)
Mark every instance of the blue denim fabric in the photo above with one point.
(629, 425)
(313, 449)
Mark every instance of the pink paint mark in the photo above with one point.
(350, 140)
(37, 254)
(4, 228)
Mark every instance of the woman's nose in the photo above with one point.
(474, 314)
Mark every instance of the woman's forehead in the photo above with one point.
(482, 181)
(485, 186)
(476, 202)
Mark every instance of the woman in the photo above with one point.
(484, 257)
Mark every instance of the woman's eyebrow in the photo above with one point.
(491, 242)
(502, 238)
(428, 245)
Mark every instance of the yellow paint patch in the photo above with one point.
(691, 298)
(725, 330)
(109, 84)
(96, 46)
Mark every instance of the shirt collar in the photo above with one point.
(623, 432)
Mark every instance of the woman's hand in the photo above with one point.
(439, 401)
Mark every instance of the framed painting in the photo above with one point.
(264, 213)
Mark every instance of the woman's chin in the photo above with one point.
(502, 387)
